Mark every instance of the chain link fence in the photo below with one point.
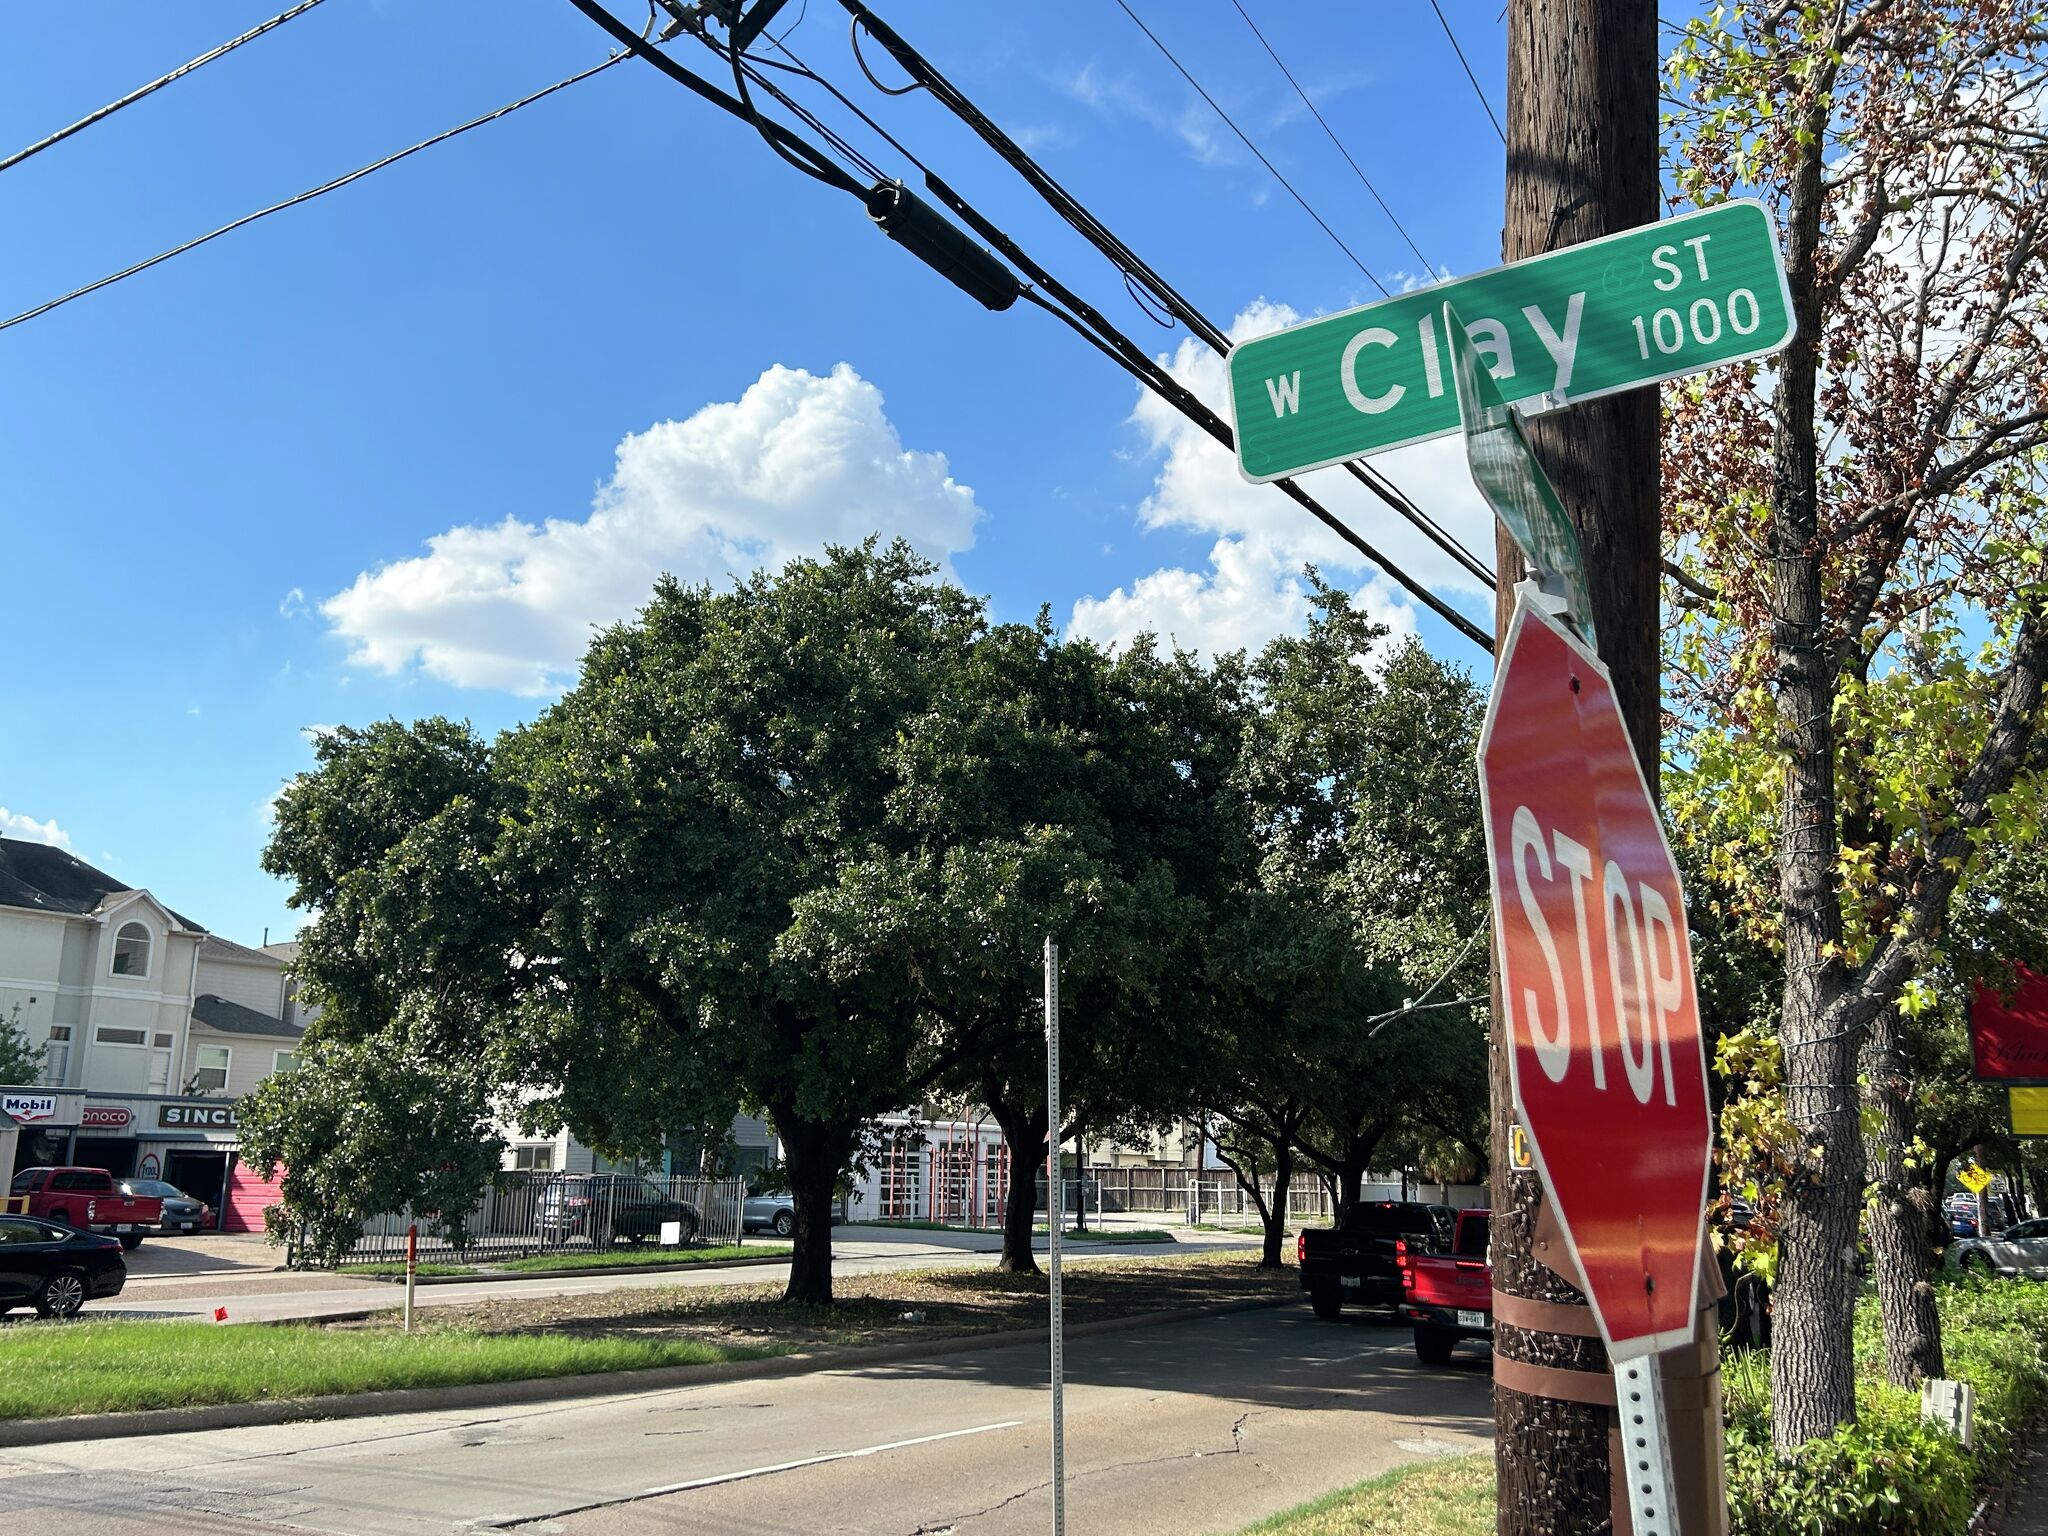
(526, 1214)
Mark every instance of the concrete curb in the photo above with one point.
(493, 1394)
(576, 1272)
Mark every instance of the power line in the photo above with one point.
(1248, 144)
(308, 195)
(155, 85)
(1135, 269)
(1445, 22)
(1427, 264)
(1103, 336)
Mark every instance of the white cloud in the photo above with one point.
(1252, 589)
(1193, 123)
(292, 604)
(1247, 596)
(795, 463)
(27, 828)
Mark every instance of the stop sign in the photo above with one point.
(1610, 1077)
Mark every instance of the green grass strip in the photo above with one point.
(104, 1367)
(1451, 1497)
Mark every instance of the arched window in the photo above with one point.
(131, 950)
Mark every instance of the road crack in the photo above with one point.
(953, 1525)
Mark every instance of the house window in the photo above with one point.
(211, 1075)
(536, 1159)
(57, 1055)
(284, 1061)
(162, 1042)
(131, 950)
(107, 1034)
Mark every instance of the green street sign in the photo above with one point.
(1636, 308)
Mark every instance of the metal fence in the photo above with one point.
(525, 1214)
(1202, 1196)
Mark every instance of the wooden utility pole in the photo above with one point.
(1582, 161)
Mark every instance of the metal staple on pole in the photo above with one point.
(1053, 1203)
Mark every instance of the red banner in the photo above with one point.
(2009, 1037)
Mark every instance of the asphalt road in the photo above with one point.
(252, 1297)
(1196, 1427)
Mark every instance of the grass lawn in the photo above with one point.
(1452, 1497)
(903, 1305)
(399, 1269)
(636, 1258)
(1115, 1235)
(98, 1367)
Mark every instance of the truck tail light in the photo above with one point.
(1407, 1278)
(1300, 1249)
(1401, 1251)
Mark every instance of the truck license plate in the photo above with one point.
(1471, 1319)
(1349, 1282)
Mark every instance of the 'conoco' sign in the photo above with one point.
(110, 1117)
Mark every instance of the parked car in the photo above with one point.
(1448, 1296)
(1354, 1260)
(769, 1213)
(89, 1199)
(56, 1269)
(2020, 1250)
(604, 1207)
(183, 1214)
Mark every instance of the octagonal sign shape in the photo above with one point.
(1610, 1074)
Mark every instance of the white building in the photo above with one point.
(151, 1029)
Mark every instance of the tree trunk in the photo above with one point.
(1024, 1138)
(1900, 1213)
(1275, 1215)
(1350, 1183)
(1813, 1384)
(815, 1154)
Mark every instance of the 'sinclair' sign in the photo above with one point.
(196, 1117)
(1635, 308)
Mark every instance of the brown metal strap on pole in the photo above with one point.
(1573, 1320)
(1560, 1384)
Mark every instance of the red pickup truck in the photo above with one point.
(1448, 1296)
(88, 1199)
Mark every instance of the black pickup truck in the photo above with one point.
(1354, 1260)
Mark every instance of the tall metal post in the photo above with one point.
(1052, 1227)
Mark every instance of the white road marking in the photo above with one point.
(512, 1521)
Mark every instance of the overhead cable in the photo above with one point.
(308, 195)
(1370, 276)
(1365, 180)
(1128, 262)
(156, 85)
(1445, 22)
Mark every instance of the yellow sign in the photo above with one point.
(1520, 1158)
(2029, 1111)
(1976, 1180)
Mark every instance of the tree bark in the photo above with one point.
(1813, 1385)
(1275, 1215)
(815, 1154)
(1024, 1139)
(1900, 1214)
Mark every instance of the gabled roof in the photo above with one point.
(214, 947)
(233, 1019)
(46, 879)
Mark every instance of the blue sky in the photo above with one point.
(394, 452)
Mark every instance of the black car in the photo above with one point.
(605, 1207)
(182, 1213)
(56, 1269)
